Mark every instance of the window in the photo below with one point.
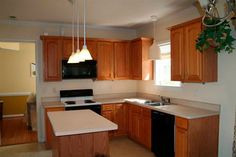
(162, 68)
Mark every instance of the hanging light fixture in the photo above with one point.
(208, 9)
(85, 54)
(72, 58)
(154, 50)
(77, 59)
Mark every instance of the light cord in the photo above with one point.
(84, 22)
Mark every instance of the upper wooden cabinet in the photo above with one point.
(187, 63)
(141, 66)
(52, 55)
(121, 60)
(113, 60)
(105, 54)
(116, 59)
(67, 47)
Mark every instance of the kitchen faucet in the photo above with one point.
(165, 100)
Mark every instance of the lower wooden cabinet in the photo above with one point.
(181, 142)
(197, 137)
(139, 128)
(117, 114)
(48, 127)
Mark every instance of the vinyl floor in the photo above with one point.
(119, 147)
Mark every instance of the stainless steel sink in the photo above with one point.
(154, 103)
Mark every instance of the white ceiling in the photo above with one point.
(119, 13)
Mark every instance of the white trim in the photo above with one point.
(16, 94)
(13, 115)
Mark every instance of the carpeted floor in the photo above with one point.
(119, 147)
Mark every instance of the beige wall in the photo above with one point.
(15, 69)
(221, 92)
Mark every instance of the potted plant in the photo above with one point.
(218, 37)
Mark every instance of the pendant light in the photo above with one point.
(72, 56)
(154, 50)
(77, 59)
(85, 54)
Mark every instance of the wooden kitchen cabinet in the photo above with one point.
(113, 60)
(140, 125)
(48, 127)
(141, 66)
(187, 63)
(67, 47)
(91, 45)
(105, 54)
(117, 114)
(197, 137)
(121, 60)
(52, 55)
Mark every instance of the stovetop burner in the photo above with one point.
(70, 102)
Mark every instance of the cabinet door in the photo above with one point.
(105, 60)
(92, 47)
(108, 113)
(146, 128)
(67, 47)
(52, 47)
(136, 127)
(193, 58)
(120, 119)
(48, 127)
(121, 59)
(177, 54)
(136, 60)
(181, 142)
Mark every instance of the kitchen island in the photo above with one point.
(80, 133)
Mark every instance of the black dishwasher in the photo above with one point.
(163, 134)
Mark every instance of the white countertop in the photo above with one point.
(176, 110)
(79, 122)
(185, 111)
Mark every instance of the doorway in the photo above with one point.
(18, 93)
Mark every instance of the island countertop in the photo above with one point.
(79, 122)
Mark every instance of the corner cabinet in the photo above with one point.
(139, 125)
(117, 114)
(141, 66)
(52, 55)
(187, 63)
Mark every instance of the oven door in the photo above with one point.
(95, 108)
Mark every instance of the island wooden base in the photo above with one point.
(83, 145)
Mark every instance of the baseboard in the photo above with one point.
(13, 115)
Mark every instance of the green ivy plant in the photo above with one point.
(218, 37)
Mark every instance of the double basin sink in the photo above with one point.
(154, 103)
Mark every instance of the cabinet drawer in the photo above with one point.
(181, 122)
(107, 107)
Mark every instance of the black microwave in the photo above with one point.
(82, 70)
